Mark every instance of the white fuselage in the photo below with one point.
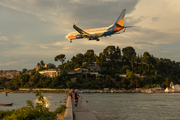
(97, 31)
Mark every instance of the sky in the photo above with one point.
(35, 30)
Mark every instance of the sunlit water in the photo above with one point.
(134, 106)
(54, 100)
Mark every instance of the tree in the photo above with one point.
(35, 78)
(69, 65)
(112, 54)
(129, 74)
(109, 52)
(107, 81)
(79, 58)
(23, 79)
(33, 72)
(73, 59)
(100, 60)
(7, 84)
(90, 56)
(42, 63)
(132, 61)
(24, 70)
(147, 58)
(60, 57)
(69, 84)
(128, 52)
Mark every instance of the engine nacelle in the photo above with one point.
(94, 37)
(79, 36)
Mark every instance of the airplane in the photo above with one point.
(94, 34)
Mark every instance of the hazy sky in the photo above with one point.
(34, 30)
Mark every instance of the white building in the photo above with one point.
(51, 72)
(123, 75)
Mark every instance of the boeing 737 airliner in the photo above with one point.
(94, 34)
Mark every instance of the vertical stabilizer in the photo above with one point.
(119, 22)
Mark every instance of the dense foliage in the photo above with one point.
(151, 71)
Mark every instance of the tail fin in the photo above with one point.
(119, 22)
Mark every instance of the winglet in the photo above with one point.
(75, 22)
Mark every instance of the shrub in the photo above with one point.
(39, 112)
(5, 113)
(60, 110)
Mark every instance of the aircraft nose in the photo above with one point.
(66, 36)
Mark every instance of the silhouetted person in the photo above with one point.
(76, 97)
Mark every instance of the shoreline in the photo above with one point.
(78, 92)
(83, 91)
(34, 91)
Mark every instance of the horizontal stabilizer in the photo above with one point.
(128, 26)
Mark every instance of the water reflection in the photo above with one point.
(47, 102)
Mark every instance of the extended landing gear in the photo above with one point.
(70, 41)
(93, 39)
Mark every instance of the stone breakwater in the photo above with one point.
(80, 112)
(69, 110)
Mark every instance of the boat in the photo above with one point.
(10, 104)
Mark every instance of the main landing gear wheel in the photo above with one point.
(97, 39)
(70, 41)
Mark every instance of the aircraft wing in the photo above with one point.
(82, 32)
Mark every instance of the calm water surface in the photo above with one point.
(134, 106)
(19, 100)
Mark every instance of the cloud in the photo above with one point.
(143, 42)
(63, 12)
(9, 62)
(16, 62)
(35, 29)
(45, 47)
(33, 2)
(3, 38)
(155, 18)
(162, 17)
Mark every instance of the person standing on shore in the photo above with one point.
(76, 97)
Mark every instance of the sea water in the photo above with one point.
(53, 100)
(134, 106)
